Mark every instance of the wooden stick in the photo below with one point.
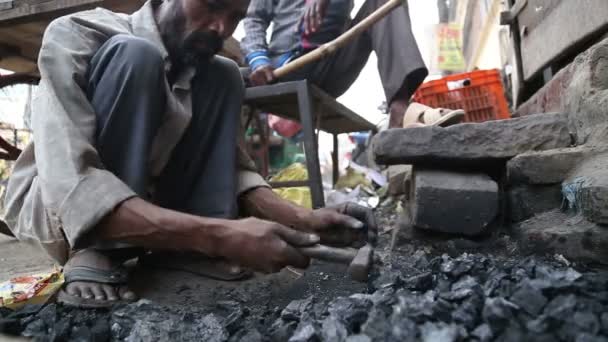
(331, 47)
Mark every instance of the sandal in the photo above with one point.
(117, 276)
(198, 264)
(420, 115)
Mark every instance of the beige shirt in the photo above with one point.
(59, 188)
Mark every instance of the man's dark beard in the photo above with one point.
(200, 47)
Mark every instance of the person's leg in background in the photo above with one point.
(400, 63)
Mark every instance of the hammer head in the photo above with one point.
(361, 264)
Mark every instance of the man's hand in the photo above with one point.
(342, 225)
(263, 245)
(262, 76)
(313, 16)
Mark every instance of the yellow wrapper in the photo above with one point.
(33, 289)
(298, 195)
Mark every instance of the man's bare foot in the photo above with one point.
(397, 111)
(101, 292)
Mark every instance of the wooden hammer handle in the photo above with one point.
(330, 47)
(331, 254)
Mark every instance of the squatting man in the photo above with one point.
(135, 125)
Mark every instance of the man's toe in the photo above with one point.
(86, 292)
(98, 292)
(126, 294)
(73, 290)
(110, 292)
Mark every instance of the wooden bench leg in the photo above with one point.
(310, 146)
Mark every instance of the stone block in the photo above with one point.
(546, 167)
(452, 202)
(525, 201)
(398, 176)
(587, 189)
(558, 233)
(471, 143)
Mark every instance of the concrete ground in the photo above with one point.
(21, 259)
(181, 288)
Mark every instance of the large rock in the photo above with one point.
(472, 143)
(557, 233)
(546, 167)
(587, 189)
(451, 202)
(525, 201)
(580, 89)
(398, 176)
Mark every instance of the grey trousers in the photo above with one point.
(400, 64)
(126, 86)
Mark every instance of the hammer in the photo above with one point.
(358, 260)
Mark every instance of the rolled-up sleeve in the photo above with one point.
(247, 177)
(74, 184)
(257, 21)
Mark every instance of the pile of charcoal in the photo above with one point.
(470, 297)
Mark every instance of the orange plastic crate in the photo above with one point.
(480, 93)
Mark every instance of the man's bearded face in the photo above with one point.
(199, 47)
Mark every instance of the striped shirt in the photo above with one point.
(287, 38)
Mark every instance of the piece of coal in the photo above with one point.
(539, 325)
(498, 312)
(512, 333)
(387, 278)
(332, 329)
(483, 333)
(247, 335)
(420, 282)
(604, 322)
(82, 333)
(281, 330)
(305, 332)
(431, 332)
(467, 313)
(352, 311)
(294, 310)
(529, 298)
(561, 307)
(377, 326)
(11, 326)
(402, 329)
(587, 322)
(586, 337)
(62, 329)
(100, 331)
(358, 338)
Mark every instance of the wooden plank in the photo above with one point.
(31, 11)
(553, 28)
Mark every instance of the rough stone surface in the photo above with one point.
(450, 202)
(587, 189)
(398, 176)
(471, 143)
(525, 201)
(580, 89)
(557, 233)
(546, 167)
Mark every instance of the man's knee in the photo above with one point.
(136, 52)
(228, 71)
